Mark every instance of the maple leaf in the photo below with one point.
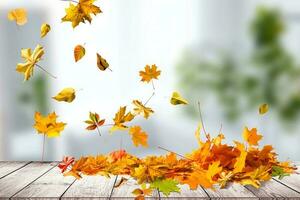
(149, 73)
(139, 137)
(65, 163)
(141, 109)
(255, 177)
(117, 155)
(198, 178)
(251, 136)
(166, 186)
(45, 28)
(31, 59)
(213, 169)
(177, 99)
(19, 15)
(140, 193)
(48, 125)
(263, 108)
(94, 122)
(79, 52)
(81, 12)
(67, 95)
(121, 117)
(240, 160)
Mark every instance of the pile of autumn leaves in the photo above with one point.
(210, 164)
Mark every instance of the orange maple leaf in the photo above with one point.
(139, 137)
(251, 136)
(149, 73)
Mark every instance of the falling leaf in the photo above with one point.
(121, 117)
(263, 108)
(81, 12)
(30, 61)
(48, 125)
(251, 136)
(65, 163)
(166, 186)
(79, 52)
(45, 28)
(94, 122)
(139, 137)
(141, 109)
(177, 99)
(149, 73)
(67, 95)
(19, 15)
(102, 63)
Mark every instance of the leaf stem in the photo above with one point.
(149, 98)
(152, 84)
(43, 151)
(174, 153)
(46, 71)
(201, 118)
(98, 130)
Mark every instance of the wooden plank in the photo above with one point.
(16, 181)
(233, 191)
(51, 185)
(186, 193)
(9, 167)
(273, 189)
(97, 187)
(124, 191)
(292, 181)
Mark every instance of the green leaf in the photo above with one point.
(166, 186)
(278, 171)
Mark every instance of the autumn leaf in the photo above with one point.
(94, 122)
(66, 95)
(251, 136)
(263, 108)
(139, 137)
(18, 15)
(213, 169)
(121, 117)
(81, 12)
(117, 155)
(102, 64)
(65, 163)
(241, 159)
(141, 109)
(48, 125)
(278, 171)
(197, 178)
(79, 52)
(177, 99)
(166, 186)
(142, 192)
(255, 177)
(149, 73)
(31, 59)
(197, 134)
(45, 28)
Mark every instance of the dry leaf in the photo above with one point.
(19, 15)
(94, 122)
(45, 28)
(141, 109)
(121, 117)
(79, 52)
(66, 95)
(149, 73)
(177, 99)
(251, 136)
(65, 163)
(138, 136)
(31, 59)
(263, 108)
(102, 64)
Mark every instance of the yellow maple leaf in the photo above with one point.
(177, 99)
(241, 159)
(149, 73)
(48, 125)
(67, 95)
(31, 59)
(251, 136)
(141, 109)
(255, 177)
(121, 117)
(213, 169)
(45, 28)
(19, 15)
(198, 178)
(138, 136)
(81, 12)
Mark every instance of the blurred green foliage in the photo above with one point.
(270, 76)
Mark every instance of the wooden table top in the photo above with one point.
(44, 180)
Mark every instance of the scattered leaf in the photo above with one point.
(166, 186)
(94, 122)
(121, 117)
(263, 108)
(31, 59)
(141, 109)
(45, 28)
(67, 95)
(139, 137)
(177, 99)
(149, 73)
(19, 15)
(79, 52)
(102, 63)
(65, 163)
(251, 136)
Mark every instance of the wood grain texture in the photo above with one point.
(51, 185)
(233, 191)
(97, 187)
(125, 190)
(16, 181)
(186, 193)
(9, 167)
(273, 189)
